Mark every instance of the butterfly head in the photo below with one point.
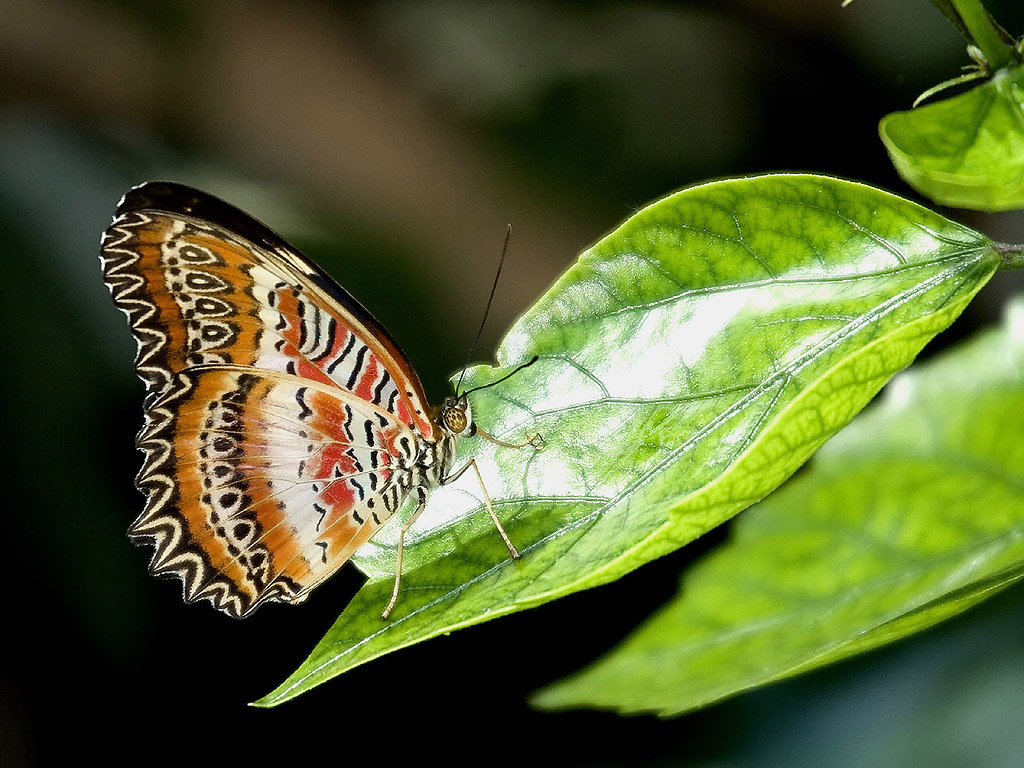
(456, 416)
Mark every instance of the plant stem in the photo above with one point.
(997, 53)
(1011, 256)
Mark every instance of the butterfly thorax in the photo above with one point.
(435, 458)
(425, 463)
(430, 465)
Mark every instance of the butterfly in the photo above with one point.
(283, 425)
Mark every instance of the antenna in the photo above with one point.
(487, 309)
(509, 375)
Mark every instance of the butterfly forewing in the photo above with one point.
(199, 291)
(276, 407)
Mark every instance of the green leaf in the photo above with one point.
(909, 516)
(967, 151)
(689, 362)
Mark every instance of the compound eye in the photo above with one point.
(456, 419)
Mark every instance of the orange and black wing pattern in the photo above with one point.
(280, 416)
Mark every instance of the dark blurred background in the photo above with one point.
(392, 142)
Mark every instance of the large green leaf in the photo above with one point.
(910, 515)
(967, 151)
(689, 363)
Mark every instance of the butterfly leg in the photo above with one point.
(535, 440)
(512, 551)
(398, 557)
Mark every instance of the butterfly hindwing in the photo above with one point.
(261, 485)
